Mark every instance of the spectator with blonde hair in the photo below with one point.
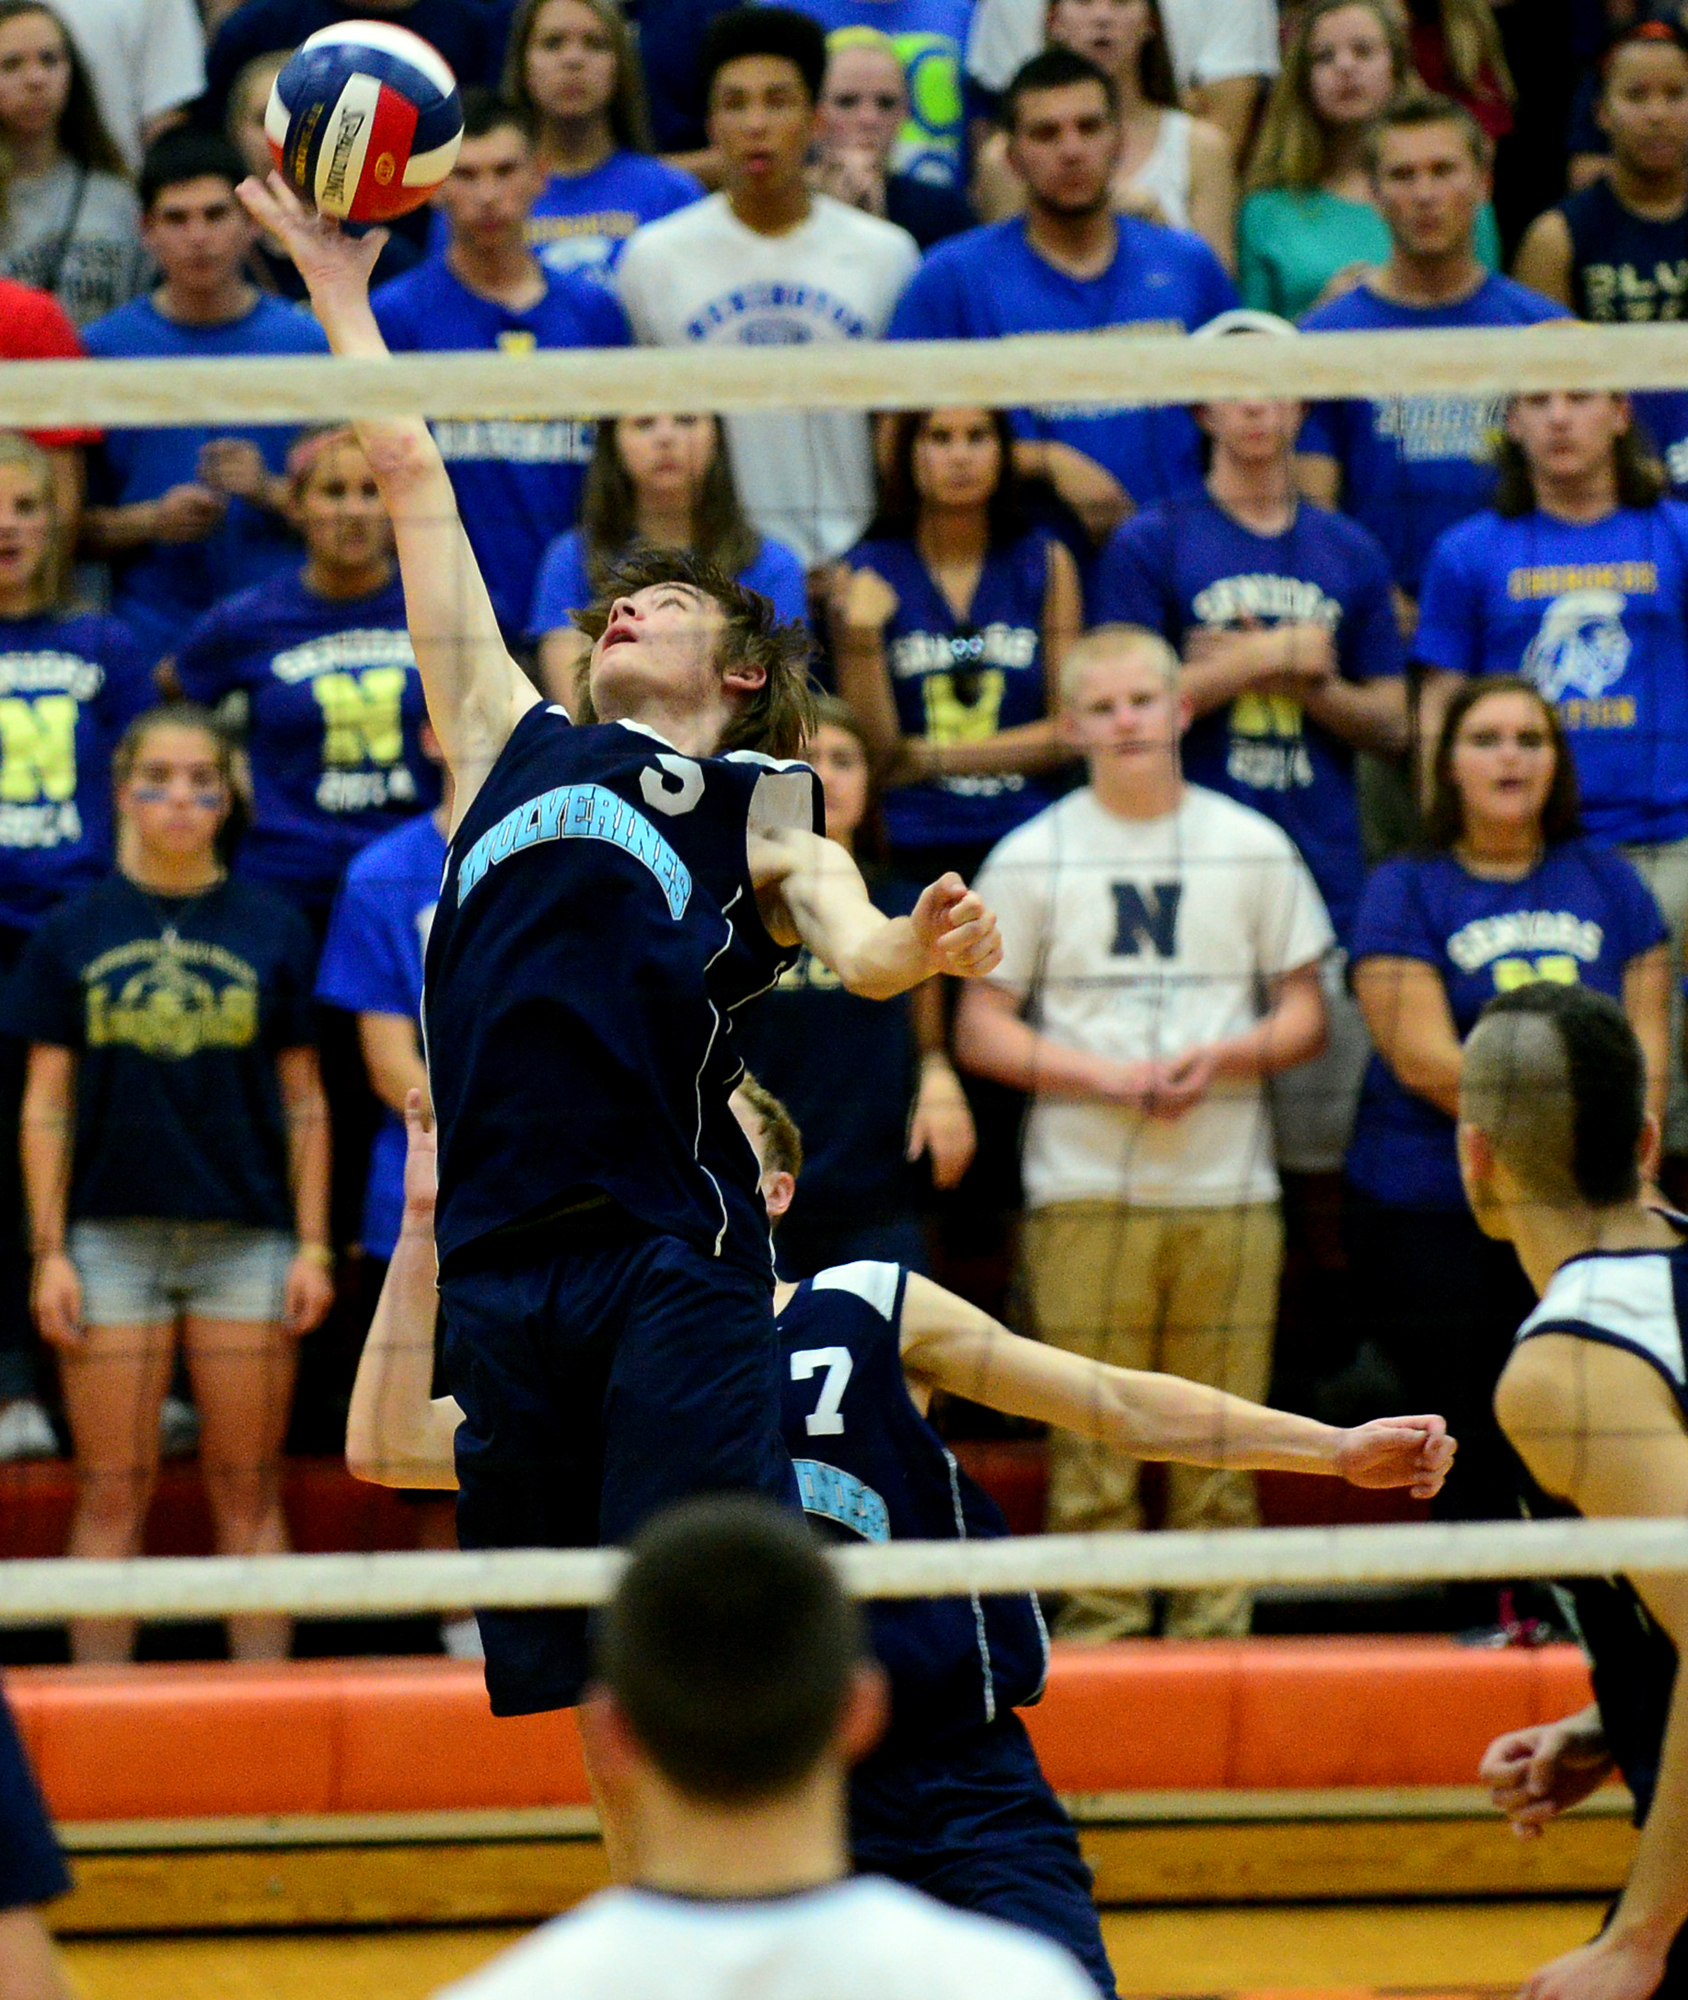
(1161, 949)
(1310, 223)
(859, 121)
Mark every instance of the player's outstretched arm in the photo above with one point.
(809, 889)
(397, 1432)
(1630, 1460)
(476, 692)
(951, 1345)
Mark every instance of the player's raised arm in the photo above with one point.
(810, 889)
(476, 692)
(948, 1344)
(397, 1432)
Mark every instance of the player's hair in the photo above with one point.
(1416, 110)
(609, 509)
(1604, 1072)
(1655, 33)
(486, 111)
(1444, 817)
(185, 154)
(16, 449)
(766, 31)
(1052, 69)
(1294, 150)
(729, 1647)
(1154, 60)
(1007, 514)
(172, 715)
(82, 132)
(774, 718)
(629, 112)
(1637, 470)
(781, 1140)
(1105, 642)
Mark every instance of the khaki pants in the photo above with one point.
(1189, 1291)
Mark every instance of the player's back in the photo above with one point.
(1636, 1300)
(858, 1940)
(596, 927)
(870, 1466)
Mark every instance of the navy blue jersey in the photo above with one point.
(1636, 1300)
(596, 930)
(871, 1467)
(957, 680)
(1625, 267)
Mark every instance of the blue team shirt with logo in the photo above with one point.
(372, 964)
(334, 722)
(1186, 566)
(1579, 917)
(930, 38)
(1414, 465)
(1596, 615)
(581, 222)
(162, 589)
(990, 282)
(69, 687)
(565, 588)
(517, 481)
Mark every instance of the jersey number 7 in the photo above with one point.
(823, 1420)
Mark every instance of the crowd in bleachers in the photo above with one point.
(1426, 657)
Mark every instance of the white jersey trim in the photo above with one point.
(1629, 1299)
(873, 1283)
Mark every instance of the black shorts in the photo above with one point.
(599, 1385)
(972, 1822)
(31, 1868)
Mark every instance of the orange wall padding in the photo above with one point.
(371, 1736)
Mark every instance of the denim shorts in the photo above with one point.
(149, 1273)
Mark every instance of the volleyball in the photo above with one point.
(364, 121)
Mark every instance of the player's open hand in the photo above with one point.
(421, 1164)
(1611, 1968)
(336, 267)
(1414, 1452)
(1534, 1774)
(958, 933)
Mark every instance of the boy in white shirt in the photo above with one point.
(1161, 947)
(735, 1691)
(767, 262)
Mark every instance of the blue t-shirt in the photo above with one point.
(930, 38)
(581, 222)
(160, 590)
(1188, 566)
(1414, 465)
(334, 722)
(176, 1007)
(69, 687)
(989, 282)
(1580, 917)
(372, 964)
(517, 482)
(956, 680)
(564, 588)
(1596, 615)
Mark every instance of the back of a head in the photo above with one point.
(730, 1648)
(1555, 1078)
(766, 31)
(187, 154)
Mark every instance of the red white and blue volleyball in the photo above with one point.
(364, 121)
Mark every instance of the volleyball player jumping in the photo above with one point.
(612, 893)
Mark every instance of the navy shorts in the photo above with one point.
(974, 1824)
(31, 1868)
(599, 1385)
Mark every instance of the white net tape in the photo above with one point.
(1108, 370)
(46, 1592)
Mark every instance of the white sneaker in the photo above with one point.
(26, 1432)
(461, 1638)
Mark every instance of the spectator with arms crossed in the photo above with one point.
(612, 893)
(1071, 265)
(1161, 960)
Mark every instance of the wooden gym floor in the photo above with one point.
(1328, 1952)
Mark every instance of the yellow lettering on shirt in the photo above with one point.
(1634, 579)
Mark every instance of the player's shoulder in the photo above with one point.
(876, 1285)
(904, 1944)
(1626, 1298)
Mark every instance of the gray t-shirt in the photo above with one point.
(76, 236)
